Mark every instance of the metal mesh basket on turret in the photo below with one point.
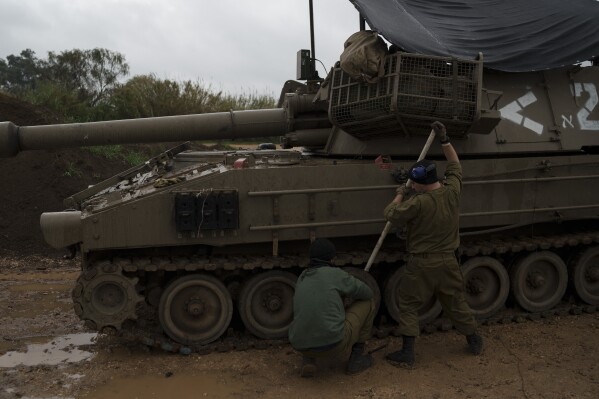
(414, 91)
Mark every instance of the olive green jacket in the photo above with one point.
(318, 311)
(432, 218)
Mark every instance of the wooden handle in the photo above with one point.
(379, 243)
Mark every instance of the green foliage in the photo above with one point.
(63, 102)
(92, 74)
(75, 84)
(147, 96)
(134, 158)
(20, 72)
(107, 151)
(72, 171)
(118, 152)
(84, 86)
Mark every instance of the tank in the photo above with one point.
(191, 243)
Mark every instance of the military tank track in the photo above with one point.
(104, 297)
(192, 313)
(236, 341)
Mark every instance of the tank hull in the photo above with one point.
(346, 200)
(238, 225)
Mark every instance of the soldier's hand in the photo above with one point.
(403, 190)
(441, 132)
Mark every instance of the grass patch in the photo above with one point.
(107, 151)
(118, 152)
(134, 158)
(72, 171)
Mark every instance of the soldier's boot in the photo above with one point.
(405, 356)
(308, 368)
(358, 361)
(475, 343)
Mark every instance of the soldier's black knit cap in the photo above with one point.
(424, 172)
(322, 249)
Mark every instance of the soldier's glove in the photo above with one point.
(441, 132)
(400, 175)
(403, 190)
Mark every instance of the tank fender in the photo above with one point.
(61, 229)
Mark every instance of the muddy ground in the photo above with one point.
(549, 358)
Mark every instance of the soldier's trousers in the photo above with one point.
(429, 275)
(359, 317)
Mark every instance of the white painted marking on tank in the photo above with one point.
(589, 106)
(527, 99)
(512, 113)
(532, 125)
(567, 120)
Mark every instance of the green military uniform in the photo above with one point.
(320, 324)
(432, 221)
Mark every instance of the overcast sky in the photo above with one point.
(235, 45)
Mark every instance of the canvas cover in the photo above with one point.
(513, 35)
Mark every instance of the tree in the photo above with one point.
(91, 73)
(20, 72)
(147, 96)
(85, 85)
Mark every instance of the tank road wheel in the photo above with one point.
(103, 296)
(585, 275)
(266, 303)
(487, 285)
(429, 310)
(539, 281)
(366, 278)
(195, 309)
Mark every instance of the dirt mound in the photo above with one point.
(23, 113)
(38, 181)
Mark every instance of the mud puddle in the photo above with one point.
(59, 350)
(181, 386)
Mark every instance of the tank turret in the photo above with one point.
(392, 116)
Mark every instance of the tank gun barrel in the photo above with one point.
(221, 125)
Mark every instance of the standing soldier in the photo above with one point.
(321, 326)
(432, 220)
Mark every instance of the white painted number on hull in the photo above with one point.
(589, 106)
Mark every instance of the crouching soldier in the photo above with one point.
(321, 326)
